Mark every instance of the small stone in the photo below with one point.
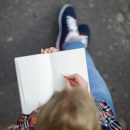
(16, 1)
(91, 5)
(109, 26)
(118, 29)
(128, 114)
(110, 20)
(129, 7)
(34, 15)
(0, 92)
(100, 53)
(126, 95)
(111, 48)
(104, 20)
(9, 39)
(120, 74)
(120, 18)
(2, 75)
(105, 76)
(30, 10)
(115, 43)
(128, 23)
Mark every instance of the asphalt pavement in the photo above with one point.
(28, 25)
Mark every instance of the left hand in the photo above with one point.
(49, 50)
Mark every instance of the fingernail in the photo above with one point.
(41, 50)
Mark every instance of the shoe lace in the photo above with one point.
(71, 23)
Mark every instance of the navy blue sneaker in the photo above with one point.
(67, 23)
(85, 33)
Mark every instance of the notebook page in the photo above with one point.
(22, 99)
(36, 80)
(68, 62)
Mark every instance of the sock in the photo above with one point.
(84, 40)
(72, 36)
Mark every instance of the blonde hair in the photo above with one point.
(69, 110)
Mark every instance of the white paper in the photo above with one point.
(68, 62)
(42, 74)
(36, 80)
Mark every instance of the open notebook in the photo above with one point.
(41, 74)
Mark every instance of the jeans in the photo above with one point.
(98, 87)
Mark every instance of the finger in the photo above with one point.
(52, 48)
(79, 79)
(45, 51)
(49, 51)
(67, 84)
(55, 49)
(52, 51)
(71, 76)
(73, 83)
(42, 50)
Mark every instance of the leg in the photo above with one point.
(98, 86)
(68, 33)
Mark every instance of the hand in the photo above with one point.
(49, 50)
(75, 80)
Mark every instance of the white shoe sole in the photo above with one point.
(60, 25)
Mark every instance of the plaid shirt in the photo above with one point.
(106, 118)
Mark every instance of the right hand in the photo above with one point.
(75, 80)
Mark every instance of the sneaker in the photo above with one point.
(85, 34)
(67, 25)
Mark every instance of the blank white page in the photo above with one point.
(68, 62)
(34, 80)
